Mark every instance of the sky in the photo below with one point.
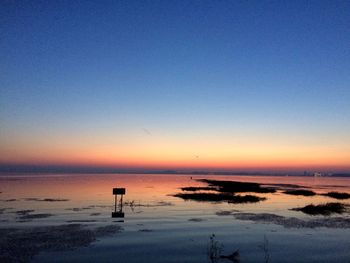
(176, 84)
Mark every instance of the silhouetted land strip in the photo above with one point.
(37, 169)
(300, 192)
(8, 200)
(237, 187)
(132, 204)
(198, 188)
(220, 197)
(46, 199)
(22, 244)
(322, 209)
(338, 195)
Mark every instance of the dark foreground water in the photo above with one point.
(159, 227)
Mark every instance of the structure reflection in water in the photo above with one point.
(118, 204)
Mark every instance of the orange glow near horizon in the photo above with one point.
(184, 153)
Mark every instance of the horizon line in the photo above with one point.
(51, 168)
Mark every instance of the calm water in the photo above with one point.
(161, 228)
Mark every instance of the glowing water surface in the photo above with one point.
(159, 227)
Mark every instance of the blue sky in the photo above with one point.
(247, 69)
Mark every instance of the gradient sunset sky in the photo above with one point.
(176, 84)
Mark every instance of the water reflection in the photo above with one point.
(118, 204)
(176, 225)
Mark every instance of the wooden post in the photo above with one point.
(116, 192)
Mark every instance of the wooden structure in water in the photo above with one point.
(118, 204)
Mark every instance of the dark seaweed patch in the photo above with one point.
(47, 199)
(292, 222)
(2, 210)
(21, 245)
(238, 187)
(225, 191)
(300, 192)
(196, 219)
(134, 204)
(34, 216)
(145, 230)
(78, 209)
(199, 188)
(338, 195)
(220, 197)
(26, 215)
(95, 214)
(322, 209)
(226, 212)
(8, 200)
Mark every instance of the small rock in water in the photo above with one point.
(234, 257)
